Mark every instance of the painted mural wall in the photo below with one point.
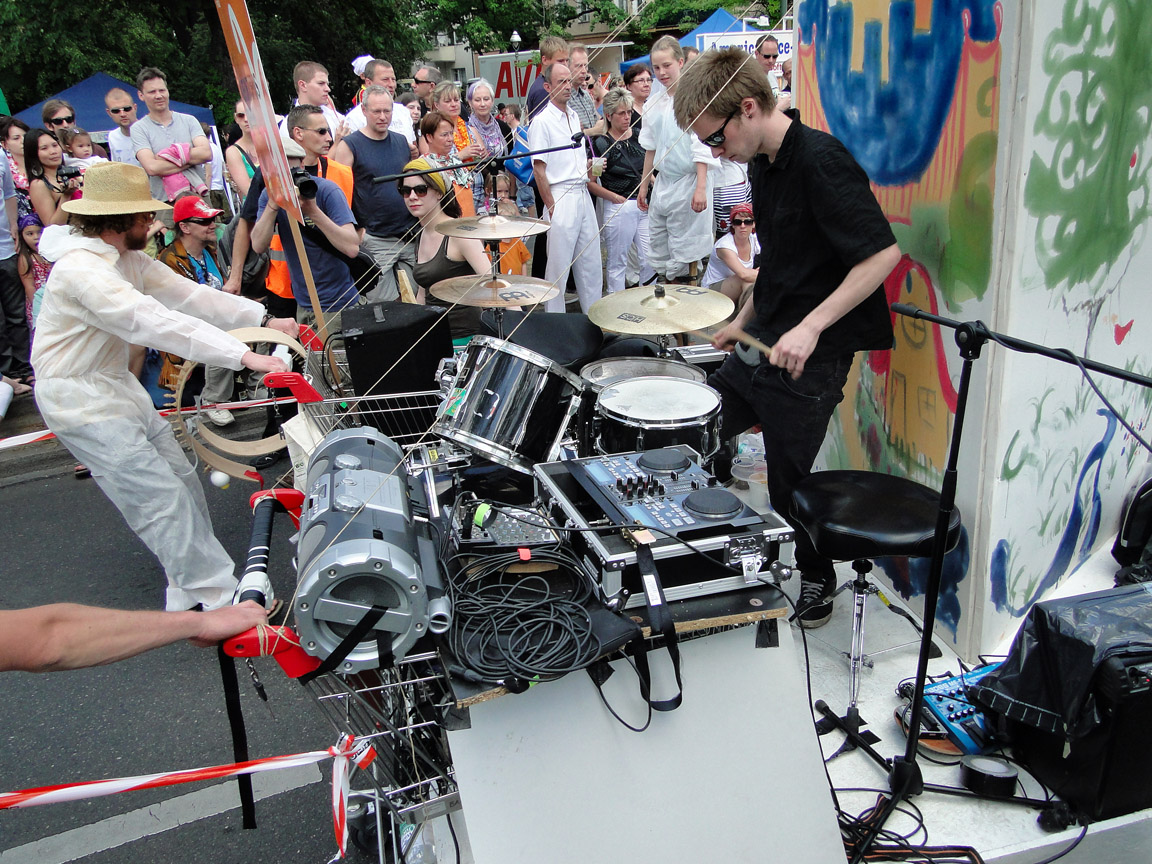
(998, 212)
(1080, 280)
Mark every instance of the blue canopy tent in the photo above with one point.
(720, 21)
(87, 98)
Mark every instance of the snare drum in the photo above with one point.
(509, 404)
(600, 373)
(611, 370)
(652, 412)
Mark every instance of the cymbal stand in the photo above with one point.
(497, 312)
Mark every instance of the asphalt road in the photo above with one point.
(63, 541)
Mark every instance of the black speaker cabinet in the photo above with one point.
(377, 340)
(1107, 772)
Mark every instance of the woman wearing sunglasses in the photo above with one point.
(241, 157)
(432, 200)
(732, 266)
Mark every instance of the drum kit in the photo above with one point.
(516, 407)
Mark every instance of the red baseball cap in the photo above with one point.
(191, 207)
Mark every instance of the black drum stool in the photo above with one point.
(858, 515)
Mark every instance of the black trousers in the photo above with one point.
(14, 336)
(794, 417)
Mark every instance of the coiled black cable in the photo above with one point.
(523, 627)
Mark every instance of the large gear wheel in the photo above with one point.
(212, 448)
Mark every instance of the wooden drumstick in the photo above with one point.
(741, 336)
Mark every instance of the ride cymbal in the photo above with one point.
(492, 227)
(487, 292)
(660, 310)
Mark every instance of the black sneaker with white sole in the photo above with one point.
(815, 605)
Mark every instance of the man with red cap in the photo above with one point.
(192, 255)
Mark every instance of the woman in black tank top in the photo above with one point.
(438, 257)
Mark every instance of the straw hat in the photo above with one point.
(114, 188)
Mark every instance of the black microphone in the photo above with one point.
(907, 309)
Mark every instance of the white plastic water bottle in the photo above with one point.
(422, 850)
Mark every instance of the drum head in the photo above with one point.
(658, 401)
(600, 373)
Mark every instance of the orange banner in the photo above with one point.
(254, 92)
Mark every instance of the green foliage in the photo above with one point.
(48, 45)
(686, 15)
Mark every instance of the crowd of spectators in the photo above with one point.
(629, 182)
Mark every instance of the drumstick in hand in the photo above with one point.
(741, 336)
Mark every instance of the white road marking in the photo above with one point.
(129, 827)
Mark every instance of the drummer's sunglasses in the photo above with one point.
(420, 189)
(716, 139)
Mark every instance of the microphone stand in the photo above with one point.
(904, 775)
(577, 142)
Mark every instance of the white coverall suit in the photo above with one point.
(677, 235)
(98, 302)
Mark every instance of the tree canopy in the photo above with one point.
(49, 45)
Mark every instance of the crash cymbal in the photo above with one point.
(658, 310)
(492, 227)
(505, 290)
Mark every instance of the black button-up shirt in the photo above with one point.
(816, 218)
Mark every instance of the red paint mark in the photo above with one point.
(880, 362)
(1132, 161)
(1122, 331)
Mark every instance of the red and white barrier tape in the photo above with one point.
(45, 435)
(347, 749)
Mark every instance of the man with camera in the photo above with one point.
(316, 139)
(373, 152)
(329, 235)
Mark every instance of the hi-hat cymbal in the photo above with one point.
(505, 290)
(492, 227)
(659, 310)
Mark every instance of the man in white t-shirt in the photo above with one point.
(562, 180)
(381, 72)
(121, 107)
(767, 53)
(311, 80)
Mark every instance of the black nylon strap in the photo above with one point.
(354, 637)
(659, 620)
(239, 734)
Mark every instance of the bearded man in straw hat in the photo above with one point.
(104, 295)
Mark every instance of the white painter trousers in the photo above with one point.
(137, 463)
(574, 242)
(677, 234)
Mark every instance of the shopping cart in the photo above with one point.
(403, 417)
(402, 710)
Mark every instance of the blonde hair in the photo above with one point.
(668, 43)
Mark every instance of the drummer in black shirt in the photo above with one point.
(826, 248)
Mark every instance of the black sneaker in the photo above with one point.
(815, 605)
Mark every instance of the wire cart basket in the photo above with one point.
(403, 710)
(403, 417)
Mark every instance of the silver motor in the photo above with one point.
(359, 546)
